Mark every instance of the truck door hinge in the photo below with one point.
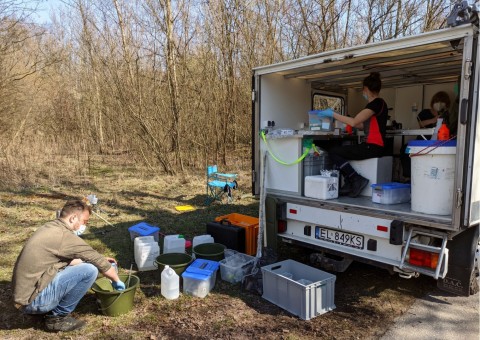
(459, 198)
(254, 176)
(468, 69)
(254, 95)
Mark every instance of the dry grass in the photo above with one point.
(127, 195)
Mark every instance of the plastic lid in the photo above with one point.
(391, 185)
(438, 143)
(143, 228)
(196, 275)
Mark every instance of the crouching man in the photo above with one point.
(56, 268)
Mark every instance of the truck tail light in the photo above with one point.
(281, 226)
(422, 258)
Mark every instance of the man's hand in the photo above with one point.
(111, 259)
(118, 285)
(328, 113)
(75, 262)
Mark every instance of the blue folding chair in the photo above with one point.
(219, 185)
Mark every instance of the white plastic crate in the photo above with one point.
(300, 289)
(234, 268)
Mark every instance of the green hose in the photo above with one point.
(305, 153)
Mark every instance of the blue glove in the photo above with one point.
(323, 113)
(118, 285)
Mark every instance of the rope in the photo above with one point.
(261, 212)
(433, 147)
(305, 153)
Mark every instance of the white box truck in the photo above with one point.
(344, 229)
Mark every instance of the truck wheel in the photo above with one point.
(475, 278)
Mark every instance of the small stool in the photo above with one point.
(376, 170)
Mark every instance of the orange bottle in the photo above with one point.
(443, 132)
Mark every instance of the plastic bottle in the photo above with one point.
(443, 132)
(170, 286)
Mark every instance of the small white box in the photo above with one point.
(321, 187)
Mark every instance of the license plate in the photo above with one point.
(339, 237)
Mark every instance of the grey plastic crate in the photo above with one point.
(300, 289)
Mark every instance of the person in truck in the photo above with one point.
(427, 118)
(56, 268)
(373, 120)
(439, 107)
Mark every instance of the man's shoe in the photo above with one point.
(346, 188)
(56, 323)
(358, 184)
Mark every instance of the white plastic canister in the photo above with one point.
(170, 283)
(173, 244)
(202, 239)
(432, 176)
(146, 250)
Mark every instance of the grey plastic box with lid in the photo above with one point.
(300, 289)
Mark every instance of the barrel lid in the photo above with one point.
(439, 143)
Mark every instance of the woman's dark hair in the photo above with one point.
(373, 82)
(441, 96)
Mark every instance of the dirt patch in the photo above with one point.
(367, 299)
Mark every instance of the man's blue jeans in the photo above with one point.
(65, 291)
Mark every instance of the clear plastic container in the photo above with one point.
(391, 193)
(199, 278)
(234, 268)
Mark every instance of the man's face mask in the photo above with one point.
(439, 106)
(81, 230)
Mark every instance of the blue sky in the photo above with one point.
(42, 16)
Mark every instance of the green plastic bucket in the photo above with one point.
(209, 251)
(113, 302)
(177, 261)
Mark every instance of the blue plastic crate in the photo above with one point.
(144, 229)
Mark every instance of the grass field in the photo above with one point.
(367, 298)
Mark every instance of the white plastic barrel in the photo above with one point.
(432, 176)
(170, 283)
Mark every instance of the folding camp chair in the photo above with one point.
(219, 184)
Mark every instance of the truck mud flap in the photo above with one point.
(462, 275)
